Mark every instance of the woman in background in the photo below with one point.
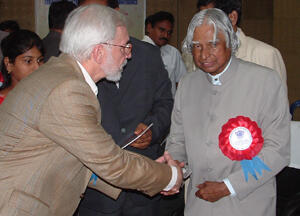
(23, 53)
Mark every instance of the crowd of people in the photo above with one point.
(94, 122)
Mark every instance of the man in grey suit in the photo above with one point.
(228, 115)
(142, 96)
(50, 126)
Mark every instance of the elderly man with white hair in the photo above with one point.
(230, 125)
(50, 126)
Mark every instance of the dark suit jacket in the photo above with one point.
(144, 95)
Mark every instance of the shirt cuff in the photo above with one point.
(229, 186)
(173, 179)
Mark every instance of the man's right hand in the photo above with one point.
(167, 158)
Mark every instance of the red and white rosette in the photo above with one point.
(241, 140)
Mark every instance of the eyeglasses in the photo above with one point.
(125, 49)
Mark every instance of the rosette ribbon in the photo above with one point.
(241, 140)
(94, 178)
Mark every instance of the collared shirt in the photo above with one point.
(94, 88)
(88, 79)
(215, 80)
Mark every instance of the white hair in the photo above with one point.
(219, 20)
(88, 26)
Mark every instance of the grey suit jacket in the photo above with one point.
(200, 111)
(51, 139)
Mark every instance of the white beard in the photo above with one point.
(113, 73)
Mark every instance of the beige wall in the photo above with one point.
(287, 39)
(20, 10)
(257, 19)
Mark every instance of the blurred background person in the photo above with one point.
(23, 53)
(58, 13)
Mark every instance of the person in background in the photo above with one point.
(141, 97)
(23, 53)
(58, 13)
(9, 26)
(230, 124)
(158, 30)
(249, 48)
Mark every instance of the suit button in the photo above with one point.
(123, 130)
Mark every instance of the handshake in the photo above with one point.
(167, 158)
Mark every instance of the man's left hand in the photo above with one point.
(212, 191)
(145, 140)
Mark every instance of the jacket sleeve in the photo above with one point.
(176, 140)
(70, 118)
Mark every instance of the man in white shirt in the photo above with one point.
(50, 126)
(159, 29)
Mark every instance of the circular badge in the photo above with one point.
(240, 138)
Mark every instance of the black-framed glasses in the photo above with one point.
(125, 49)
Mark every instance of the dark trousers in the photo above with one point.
(172, 205)
(129, 208)
(288, 192)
